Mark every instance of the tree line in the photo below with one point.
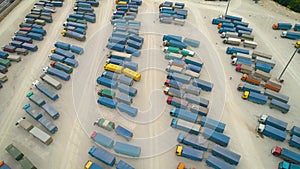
(291, 4)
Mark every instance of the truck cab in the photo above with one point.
(260, 128)
(166, 90)
(245, 95)
(262, 118)
(179, 149)
(276, 151)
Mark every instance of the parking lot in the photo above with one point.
(78, 97)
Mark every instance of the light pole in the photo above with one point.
(227, 8)
(279, 78)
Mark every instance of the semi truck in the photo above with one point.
(215, 162)
(185, 115)
(61, 66)
(171, 68)
(249, 87)
(193, 141)
(119, 55)
(272, 86)
(35, 131)
(4, 165)
(63, 52)
(73, 34)
(263, 67)
(185, 126)
(202, 111)
(193, 61)
(282, 26)
(51, 81)
(279, 105)
(231, 50)
(286, 154)
(91, 165)
(102, 139)
(255, 97)
(174, 92)
(225, 154)
(58, 73)
(216, 137)
(110, 103)
(105, 124)
(245, 69)
(271, 132)
(204, 85)
(177, 102)
(14, 152)
(290, 35)
(272, 121)
(107, 93)
(188, 152)
(237, 61)
(125, 133)
(194, 68)
(127, 149)
(102, 155)
(173, 83)
(175, 43)
(45, 90)
(275, 95)
(232, 41)
(53, 113)
(109, 75)
(123, 107)
(251, 79)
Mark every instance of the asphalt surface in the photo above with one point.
(79, 109)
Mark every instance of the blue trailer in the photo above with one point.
(90, 18)
(124, 132)
(191, 42)
(173, 84)
(279, 105)
(102, 155)
(177, 102)
(125, 80)
(115, 61)
(225, 29)
(179, 77)
(297, 27)
(185, 126)
(271, 132)
(216, 137)
(45, 90)
(127, 149)
(212, 124)
(120, 34)
(22, 39)
(193, 61)
(56, 57)
(290, 35)
(134, 44)
(232, 50)
(200, 110)
(74, 24)
(62, 45)
(245, 24)
(107, 82)
(58, 73)
(131, 111)
(131, 65)
(175, 43)
(131, 91)
(35, 36)
(204, 85)
(239, 27)
(169, 37)
(36, 99)
(264, 67)
(121, 97)
(50, 111)
(115, 46)
(110, 103)
(123, 165)
(272, 121)
(71, 62)
(242, 61)
(276, 95)
(193, 68)
(184, 114)
(227, 25)
(136, 38)
(193, 141)
(287, 165)
(118, 40)
(216, 21)
(282, 26)
(174, 92)
(188, 152)
(255, 97)
(63, 52)
(102, 139)
(233, 18)
(76, 49)
(77, 34)
(295, 142)
(226, 155)
(295, 131)
(217, 163)
(196, 100)
(4, 55)
(133, 51)
(50, 126)
(109, 75)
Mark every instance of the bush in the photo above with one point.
(291, 4)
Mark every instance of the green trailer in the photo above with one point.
(5, 62)
(171, 49)
(107, 93)
(14, 152)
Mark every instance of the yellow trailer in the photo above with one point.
(132, 74)
(113, 68)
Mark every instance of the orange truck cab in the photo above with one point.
(251, 79)
(181, 165)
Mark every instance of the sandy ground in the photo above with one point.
(79, 109)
